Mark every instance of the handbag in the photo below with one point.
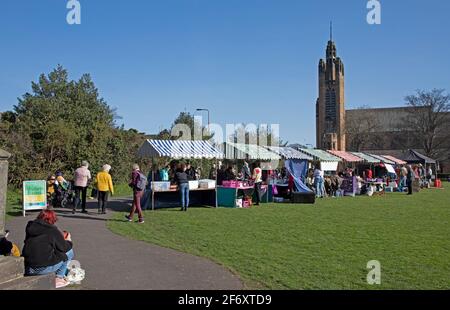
(274, 190)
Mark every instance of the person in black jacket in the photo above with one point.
(190, 171)
(221, 175)
(47, 249)
(182, 180)
(229, 174)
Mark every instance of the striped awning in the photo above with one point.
(320, 155)
(250, 151)
(395, 160)
(367, 158)
(179, 149)
(289, 153)
(383, 159)
(346, 156)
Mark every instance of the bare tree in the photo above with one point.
(428, 120)
(361, 129)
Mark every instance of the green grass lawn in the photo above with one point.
(13, 203)
(122, 190)
(321, 246)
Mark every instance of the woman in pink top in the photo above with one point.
(81, 178)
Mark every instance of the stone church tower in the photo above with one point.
(330, 106)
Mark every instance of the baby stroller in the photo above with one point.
(64, 192)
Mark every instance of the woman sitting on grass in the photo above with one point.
(47, 249)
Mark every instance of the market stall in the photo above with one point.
(415, 158)
(349, 160)
(296, 164)
(328, 162)
(164, 194)
(241, 193)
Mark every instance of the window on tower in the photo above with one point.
(330, 110)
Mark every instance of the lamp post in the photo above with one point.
(199, 110)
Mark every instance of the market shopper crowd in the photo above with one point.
(330, 185)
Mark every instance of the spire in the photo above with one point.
(331, 31)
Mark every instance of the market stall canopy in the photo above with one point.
(367, 158)
(346, 156)
(320, 155)
(250, 151)
(383, 159)
(289, 153)
(179, 149)
(395, 160)
(414, 157)
(328, 162)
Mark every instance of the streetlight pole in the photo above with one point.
(208, 114)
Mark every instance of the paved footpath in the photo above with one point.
(115, 262)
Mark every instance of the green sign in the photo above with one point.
(34, 195)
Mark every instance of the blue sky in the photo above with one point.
(246, 60)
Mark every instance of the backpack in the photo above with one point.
(141, 182)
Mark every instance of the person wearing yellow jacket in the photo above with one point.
(105, 188)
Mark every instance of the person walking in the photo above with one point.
(410, 179)
(138, 183)
(81, 178)
(318, 181)
(104, 187)
(182, 180)
(257, 177)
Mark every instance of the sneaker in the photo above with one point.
(60, 282)
(129, 219)
(84, 211)
(141, 222)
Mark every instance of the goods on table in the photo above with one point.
(235, 184)
(207, 183)
(160, 186)
(193, 185)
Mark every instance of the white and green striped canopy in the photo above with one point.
(320, 155)
(248, 151)
(289, 153)
(367, 158)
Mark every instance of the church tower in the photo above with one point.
(330, 106)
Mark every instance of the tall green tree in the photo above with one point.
(60, 123)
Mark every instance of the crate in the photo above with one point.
(193, 185)
(207, 184)
(160, 186)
